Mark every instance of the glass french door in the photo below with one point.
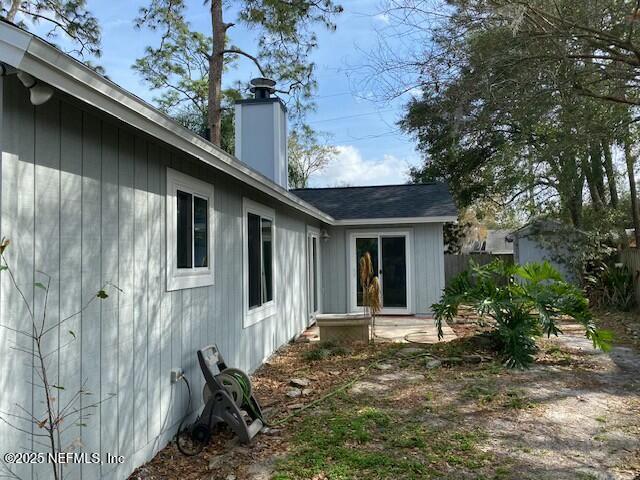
(389, 257)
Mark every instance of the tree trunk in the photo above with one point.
(13, 11)
(596, 169)
(573, 201)
(531, 194)
(628, 156)
(570, 176)
(591, 183)
(216, 64)
(575, 209)
(611, 177)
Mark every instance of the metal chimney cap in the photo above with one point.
(263, 87)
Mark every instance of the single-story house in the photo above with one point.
(97, 187)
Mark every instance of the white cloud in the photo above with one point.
(382, 17)
(415, 92)
(117, 23)
(350, 168)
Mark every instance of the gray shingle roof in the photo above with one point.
(385, 201)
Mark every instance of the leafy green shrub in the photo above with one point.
(612, 287)
(619, 283)
(593, 256)
(526, 302)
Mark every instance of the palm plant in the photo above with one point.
(525, 301)
(370, 290)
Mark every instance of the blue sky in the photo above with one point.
(372, 150)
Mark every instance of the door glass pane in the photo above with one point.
(200, 232)
(267, 260)
(364, 245)
(253, 259)
(183, 230)
(394, 272)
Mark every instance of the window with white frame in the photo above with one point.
(189, 231)
(258, 262)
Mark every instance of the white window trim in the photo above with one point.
(314, 232)
(179, 279)
(266, 310)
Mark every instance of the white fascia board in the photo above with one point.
(396, 221)
(13, 44)
(45, 62)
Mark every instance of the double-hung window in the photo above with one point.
(258, 262)
(189, 231)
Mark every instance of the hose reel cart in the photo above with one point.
(228, 399)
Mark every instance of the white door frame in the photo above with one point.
(313, 233)
(353, 267)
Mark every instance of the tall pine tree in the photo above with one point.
(187, 63)
(69, 17)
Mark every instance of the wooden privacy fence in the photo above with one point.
(455, 264)
(631, 258)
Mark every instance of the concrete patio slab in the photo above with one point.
(398, 329)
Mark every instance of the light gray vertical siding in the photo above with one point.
(83, 199)
(427, 262)
(91, 273)
(47, 231)
(261, 137)
(70, 264)
(140, 293)
(257, 142)
(334, 271)
(18, 196)
(125, 298)
(109, 311)
(530, 249)
(429, 265)
(155, 281)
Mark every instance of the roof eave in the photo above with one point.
(36, 57)
(395, 221)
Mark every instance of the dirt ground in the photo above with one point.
(445, 411)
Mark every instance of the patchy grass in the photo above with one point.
(556, 353)
(325, 350)
(517, 400)
(571, 416)
(482, 393)
(484, 389)
(390, 435)
(464, 421)
(352, 441)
